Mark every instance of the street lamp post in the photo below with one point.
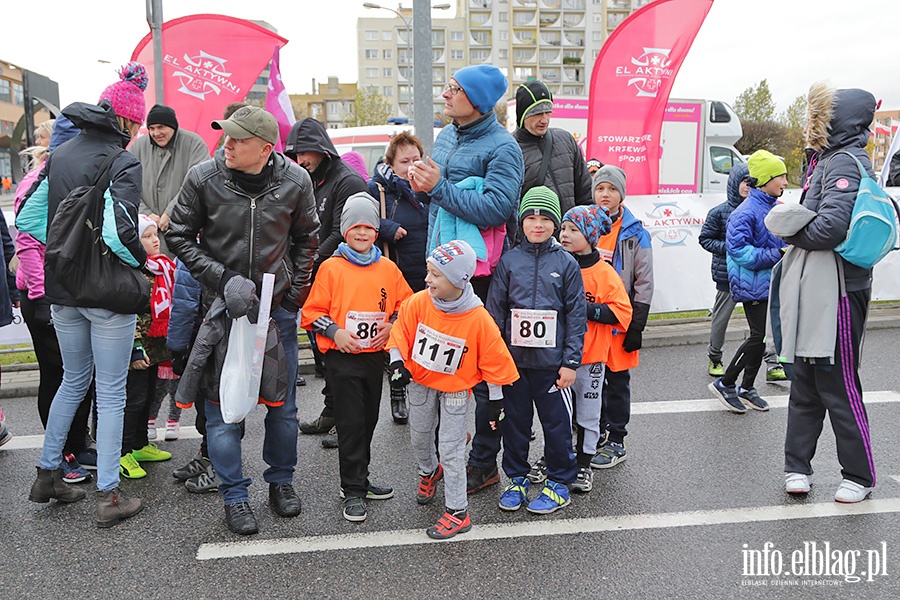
(409, 99)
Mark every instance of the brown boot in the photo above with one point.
(49, 484)
(114, 505)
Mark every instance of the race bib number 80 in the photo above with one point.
(437, 351)
(365, 325)
(533, 328)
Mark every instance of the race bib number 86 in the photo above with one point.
(365, 325)
(437, 351)
(533, 328)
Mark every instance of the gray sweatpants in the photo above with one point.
(587, 397)
(722, 310)
(427, 408)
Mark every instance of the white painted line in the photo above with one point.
(30, 442)
(689, 406)
(542, 528)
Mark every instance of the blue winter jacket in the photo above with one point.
(485, 149)
(184, 320)
(541, 277)
(712, 235)
(752, 249)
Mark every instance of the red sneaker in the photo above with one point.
(427, 485)
(449, 525)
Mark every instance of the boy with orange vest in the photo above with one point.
(443, 343)
(608, 307)
(351, 307)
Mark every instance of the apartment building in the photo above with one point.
(12, 111)
(331, 103)
(887, 125)
(555, 41)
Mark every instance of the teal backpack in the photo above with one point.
(873, 230)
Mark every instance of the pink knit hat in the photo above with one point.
(127, 96)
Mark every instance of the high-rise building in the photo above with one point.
(555, 41)
(886, 126)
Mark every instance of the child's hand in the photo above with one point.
(384, 331)
(140, 365)
(566, 378)
(347, 342)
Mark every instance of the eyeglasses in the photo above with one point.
(453, 89)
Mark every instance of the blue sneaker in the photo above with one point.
(72, 472)
(553, 497)
(727, 395)
(515, 494)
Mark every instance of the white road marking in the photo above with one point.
(30, 442)
(688, 406)
(414, 537)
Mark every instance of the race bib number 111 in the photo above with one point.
(437, 351)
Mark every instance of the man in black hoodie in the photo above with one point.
(333, 182)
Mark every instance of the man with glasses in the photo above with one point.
(475, 176)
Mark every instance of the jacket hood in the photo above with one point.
(309, 135)
(91, 116)
(733, 189)
(838, 118)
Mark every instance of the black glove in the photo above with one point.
(633, 339)
(495, 414)
(179, 362)
(399, 375)
(240, 297)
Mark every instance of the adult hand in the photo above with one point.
(424, 175)
(155, 218)
(240, 296)
(384, 331)
(163, 222)
(566, 378)
(398, 375)
(140, 365)
(401, 233)
(347, 342)
(14, 261)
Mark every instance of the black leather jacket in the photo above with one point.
(270, 232)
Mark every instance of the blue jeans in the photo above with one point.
(90, 339)
(280, 444)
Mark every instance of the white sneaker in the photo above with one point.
(850, 491)
(173, 430)
(796, 483)
(151, 429)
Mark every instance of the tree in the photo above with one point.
(369, 108)
(760, 135)
(792, 145)
(755, 103)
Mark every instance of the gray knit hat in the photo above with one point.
(610, 174)
(542, 201)
(455, 260)
(360, 209)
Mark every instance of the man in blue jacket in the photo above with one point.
(475, 145)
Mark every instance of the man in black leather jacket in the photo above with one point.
(258, 215)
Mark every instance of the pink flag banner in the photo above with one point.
(209, 61)
(278, 103)
(630, 86)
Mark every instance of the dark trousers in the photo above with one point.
(836, 389)
(749, 356)
(140, 390)
(486, 443)
(616, 408)
(319, 359)
(36, 314)
(200, 424)
(356, 381)
(533, 390)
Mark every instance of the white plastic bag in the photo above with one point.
(242, 368)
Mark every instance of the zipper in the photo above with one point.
(537, 260)
(253, 200)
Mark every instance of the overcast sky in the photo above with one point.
(791, 43)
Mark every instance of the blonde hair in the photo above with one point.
(125, 125)
(33, 157)
(46, 127)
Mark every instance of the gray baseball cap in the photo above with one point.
(249, 121)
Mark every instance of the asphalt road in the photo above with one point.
(699, 496)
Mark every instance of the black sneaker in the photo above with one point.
(478, 478)
(728, 395)
(194, 468)
(376, 492)
(320, 425)
(354, 509)
(751, 398)
(240, 519)
(330, 440)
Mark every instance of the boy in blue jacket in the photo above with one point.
(537, 300)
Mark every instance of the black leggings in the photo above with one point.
(749, 356)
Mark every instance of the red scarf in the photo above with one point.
(163, 269)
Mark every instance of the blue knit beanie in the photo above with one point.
(484, 85)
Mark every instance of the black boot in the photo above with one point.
(398, 406)
(240, 519)
(49, 484)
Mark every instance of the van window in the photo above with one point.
(718, 113)
(722, 159)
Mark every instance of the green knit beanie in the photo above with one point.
(542, 201)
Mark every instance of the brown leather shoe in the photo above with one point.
(49, 484)
(114, 505)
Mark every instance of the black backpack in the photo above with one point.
(81, 261)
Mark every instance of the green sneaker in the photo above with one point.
(776, 374)
(129, 467)
(716, 369)
(150, 453)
